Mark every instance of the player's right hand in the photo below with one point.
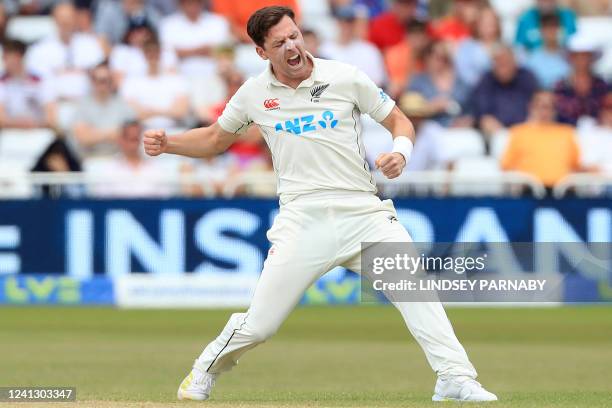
(155, 142)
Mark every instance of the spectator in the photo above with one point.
(25, 101)
(66, 56)
(249, 151)
(159, 98)
(548, 62)
(192, 33)
(311, 42)
(473, 55)
(3, 22)
(458, 25)
(531, 143)
(597, 140)
(389, 27)
(58, 158)
(529, 34)
(237, 13)
(405, 59)
(30, 7)
(115, 18)
(100, 116)
(128, 59)
(582, 92)
(444, 92)
(353, 50)
(502, 95)
(139, 177)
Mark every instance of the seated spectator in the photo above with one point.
(405, 59)
(531, 144)
(65, 57)
(582, 92)
(473, 55)
(29, 8)
(548, 62)
(529, 34)
(25, 101)
(114, 18)
(99, 116)
(214, 173)
(351, 49)
(58, 158)
(597, 140)
(248, 152)
(458, 25)
(237, 13)
(312, 43)
(389, 27)
(192, 33)
(128, 59)
(160, 99)
(439, 85)
(501, 97)
(133, 176)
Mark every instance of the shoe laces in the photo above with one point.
(204, 379)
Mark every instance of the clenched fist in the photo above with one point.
(155, 142)
(391, 164)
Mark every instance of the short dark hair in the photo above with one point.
(17, 46)
(549, 19)
(265, 18)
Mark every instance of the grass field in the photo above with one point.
(321, 357)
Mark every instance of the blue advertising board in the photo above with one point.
(85, 243)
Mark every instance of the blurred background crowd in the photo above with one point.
(492, 86)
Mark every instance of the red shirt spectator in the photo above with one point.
(458, 25)
(389, 28)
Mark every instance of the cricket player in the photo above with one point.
(308, 111)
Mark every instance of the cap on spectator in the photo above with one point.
(581, 43)
(345, 13)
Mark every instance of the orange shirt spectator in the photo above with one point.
(238, 12)
(404, 59)
(541, 147)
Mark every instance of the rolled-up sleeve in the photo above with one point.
(235, 117)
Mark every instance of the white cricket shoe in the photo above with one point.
(461, 389)
(196, 386)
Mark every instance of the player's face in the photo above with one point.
(284, 47)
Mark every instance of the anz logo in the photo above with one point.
(307, 123)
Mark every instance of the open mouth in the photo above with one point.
(295, 60)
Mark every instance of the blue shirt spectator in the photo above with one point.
(501, 97)
(444, 92)
(473, 55)
(549, 63)
(529, 34)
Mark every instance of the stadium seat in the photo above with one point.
(23, 147)
(30, 29)
(460, 143)
(499, 142)
(481, 167)
(596, 30)
(13, 180)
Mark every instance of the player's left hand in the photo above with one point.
(391, 164)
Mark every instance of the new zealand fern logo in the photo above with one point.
(317, 91)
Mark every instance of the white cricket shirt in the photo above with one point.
(314, 131)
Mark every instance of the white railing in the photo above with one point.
(440, 183)
(583, 185)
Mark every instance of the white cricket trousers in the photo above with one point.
(310, 236)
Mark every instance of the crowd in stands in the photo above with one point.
(536, 82)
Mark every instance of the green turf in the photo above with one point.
(334, 356)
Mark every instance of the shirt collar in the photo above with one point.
(315, 75)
